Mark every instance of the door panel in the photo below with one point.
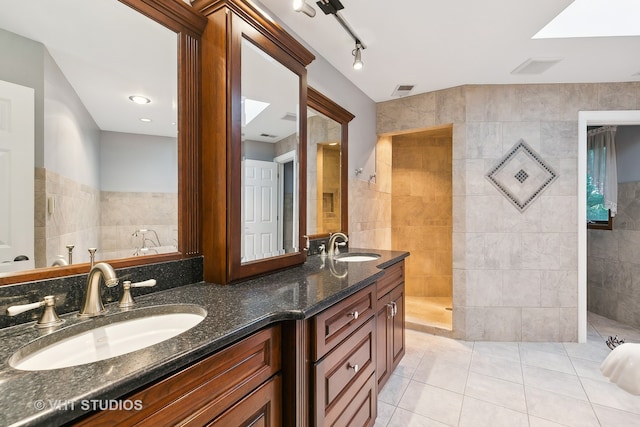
(16, 175)
(260, 210)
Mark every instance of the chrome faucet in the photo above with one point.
(92, 303)
(333, 244)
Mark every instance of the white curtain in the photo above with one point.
(602, 167)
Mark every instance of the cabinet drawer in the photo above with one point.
(205, 389)
(393, 276)
(362, 408)
(343, 372)
(260, 408)
(335, 323)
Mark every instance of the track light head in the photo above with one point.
(357, 53)
(304, 7)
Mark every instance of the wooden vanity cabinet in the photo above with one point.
(390, 322)
(240, 385)
(344, 353)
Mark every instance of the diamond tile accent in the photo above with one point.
(521, 176)
(532, 175)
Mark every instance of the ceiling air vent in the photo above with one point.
(402, 90)
(536, 65)
(267, 135)
(290, 117)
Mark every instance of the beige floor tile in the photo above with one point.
(560, 409)
(432, 402)
(497, 367)
(496, 391)
(393, 390)
(443, 381)
(553, 381)
(610, 417)
(404, 418)
(609, 394)
(478, 413)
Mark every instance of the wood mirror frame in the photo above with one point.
(189, 26)
(330, 109)
(229, 21)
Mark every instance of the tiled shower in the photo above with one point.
(422, 221)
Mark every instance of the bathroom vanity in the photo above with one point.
(288, 338)
(312, 331)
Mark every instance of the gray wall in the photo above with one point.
(138, 163)
(258, 150)
(628, 153)
(71, 136)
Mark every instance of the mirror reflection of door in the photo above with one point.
(260, 191)
(16, 177)
(269, 119)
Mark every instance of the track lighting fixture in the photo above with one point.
(333, 7)
(304, 7)
(357, 53)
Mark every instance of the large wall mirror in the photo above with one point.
(97, 127)
(327, 178)
(270, 152)
(268, 155)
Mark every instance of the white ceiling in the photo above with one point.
(107, 52)
(440, 44)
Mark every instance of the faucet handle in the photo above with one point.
(127, 300)
(146, 284)
(49, 316)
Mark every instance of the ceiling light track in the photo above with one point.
(333, 7)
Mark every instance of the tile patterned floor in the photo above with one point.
(446, 382)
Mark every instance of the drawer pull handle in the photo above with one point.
(355, 368)
(355, 315)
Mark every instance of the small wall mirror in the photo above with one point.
(270, 156)
(327, 150)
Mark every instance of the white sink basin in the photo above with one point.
(356, 257)
(106, 337)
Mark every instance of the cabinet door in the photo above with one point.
(396, 328)
(383, 359)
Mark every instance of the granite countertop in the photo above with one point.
(57, 396)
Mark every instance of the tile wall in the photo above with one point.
(613, 261)
(86, 217)
(515, 274)
(421, 216)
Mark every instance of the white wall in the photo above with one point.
(22, 63)
(628, 153)
(323, 77)
(138, 163)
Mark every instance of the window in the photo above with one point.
(602, 182)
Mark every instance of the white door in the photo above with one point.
(260, 210)
(16, 172)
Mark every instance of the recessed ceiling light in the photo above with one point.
(145, 120)
(138, 99)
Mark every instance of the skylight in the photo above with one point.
(251, 109)
(594, 18)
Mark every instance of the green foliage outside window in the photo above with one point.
(595, 203)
